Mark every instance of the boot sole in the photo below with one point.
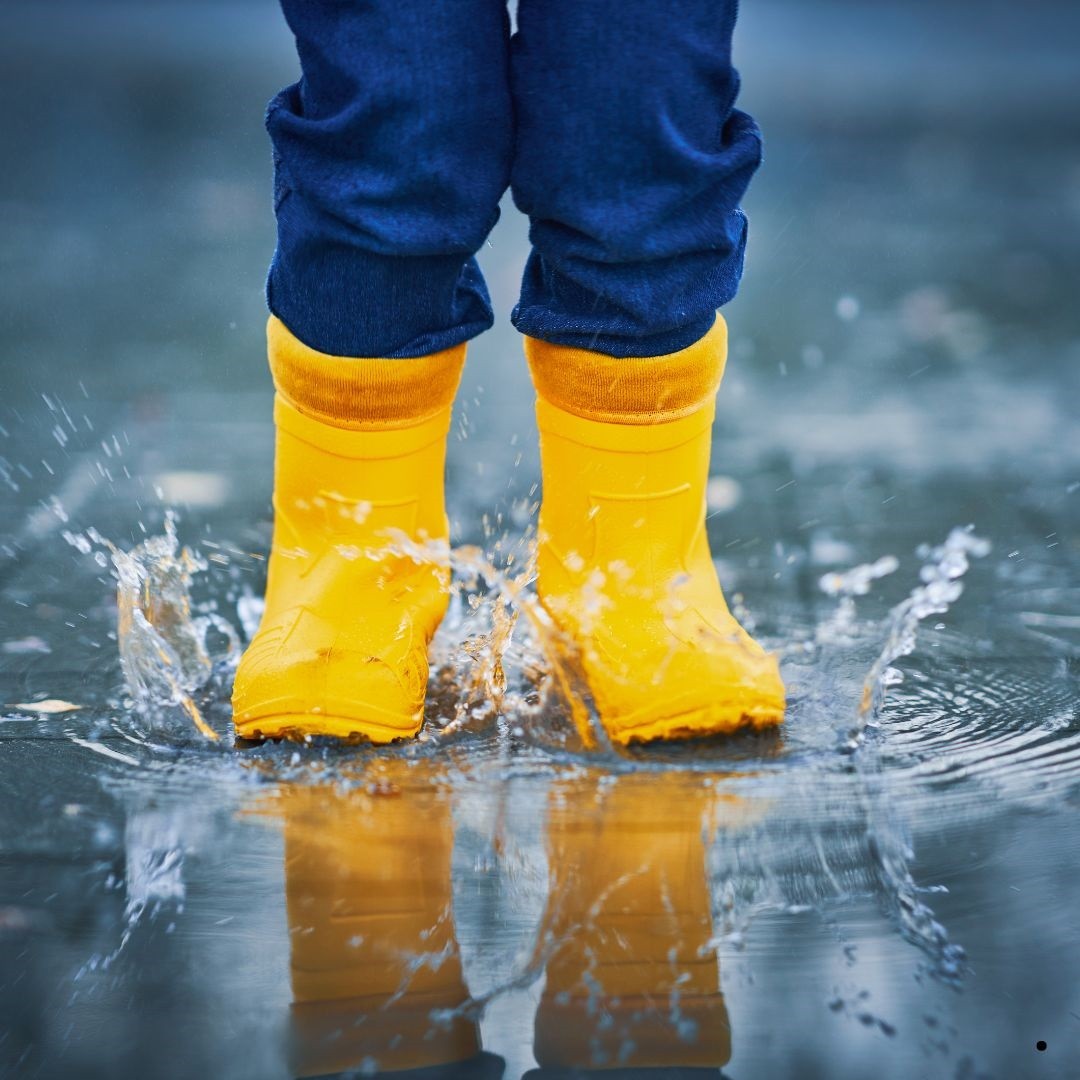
(692, 724)
(299, 727)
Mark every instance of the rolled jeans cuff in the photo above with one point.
(342, 299)
(634, 309)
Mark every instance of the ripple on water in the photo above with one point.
(1011, 725)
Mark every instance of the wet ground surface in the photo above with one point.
(887, 892)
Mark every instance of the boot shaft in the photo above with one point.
(625, 502)
(357, 487)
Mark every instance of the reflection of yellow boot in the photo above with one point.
(624, 562)
(632, 979)
(361, 445)
(376, 971)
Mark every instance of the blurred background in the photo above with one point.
(908, 297)
(905, 357)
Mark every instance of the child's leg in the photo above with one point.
(391, 154)
(630, 161)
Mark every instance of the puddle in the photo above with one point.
(639, 867)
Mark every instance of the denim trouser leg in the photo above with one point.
(391, 154)
(630, 162)
(393, 150)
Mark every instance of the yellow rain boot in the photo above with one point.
(356, 582)
(376, 970)
(633, 979)
(623, 565)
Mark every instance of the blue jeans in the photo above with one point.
(612, 121)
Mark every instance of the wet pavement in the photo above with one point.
(883, 891)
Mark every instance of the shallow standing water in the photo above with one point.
(886, 890)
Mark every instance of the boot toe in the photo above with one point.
(685, 690)
(330, 689)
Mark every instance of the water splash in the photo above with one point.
(940, 587)
(498, 653)
(163, 647)
(845, 585)
(889, 848)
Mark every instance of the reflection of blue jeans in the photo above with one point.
(612, 120)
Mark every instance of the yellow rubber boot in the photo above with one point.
(633, 979)
(624, 566)
(375, 966)
(358, 578)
